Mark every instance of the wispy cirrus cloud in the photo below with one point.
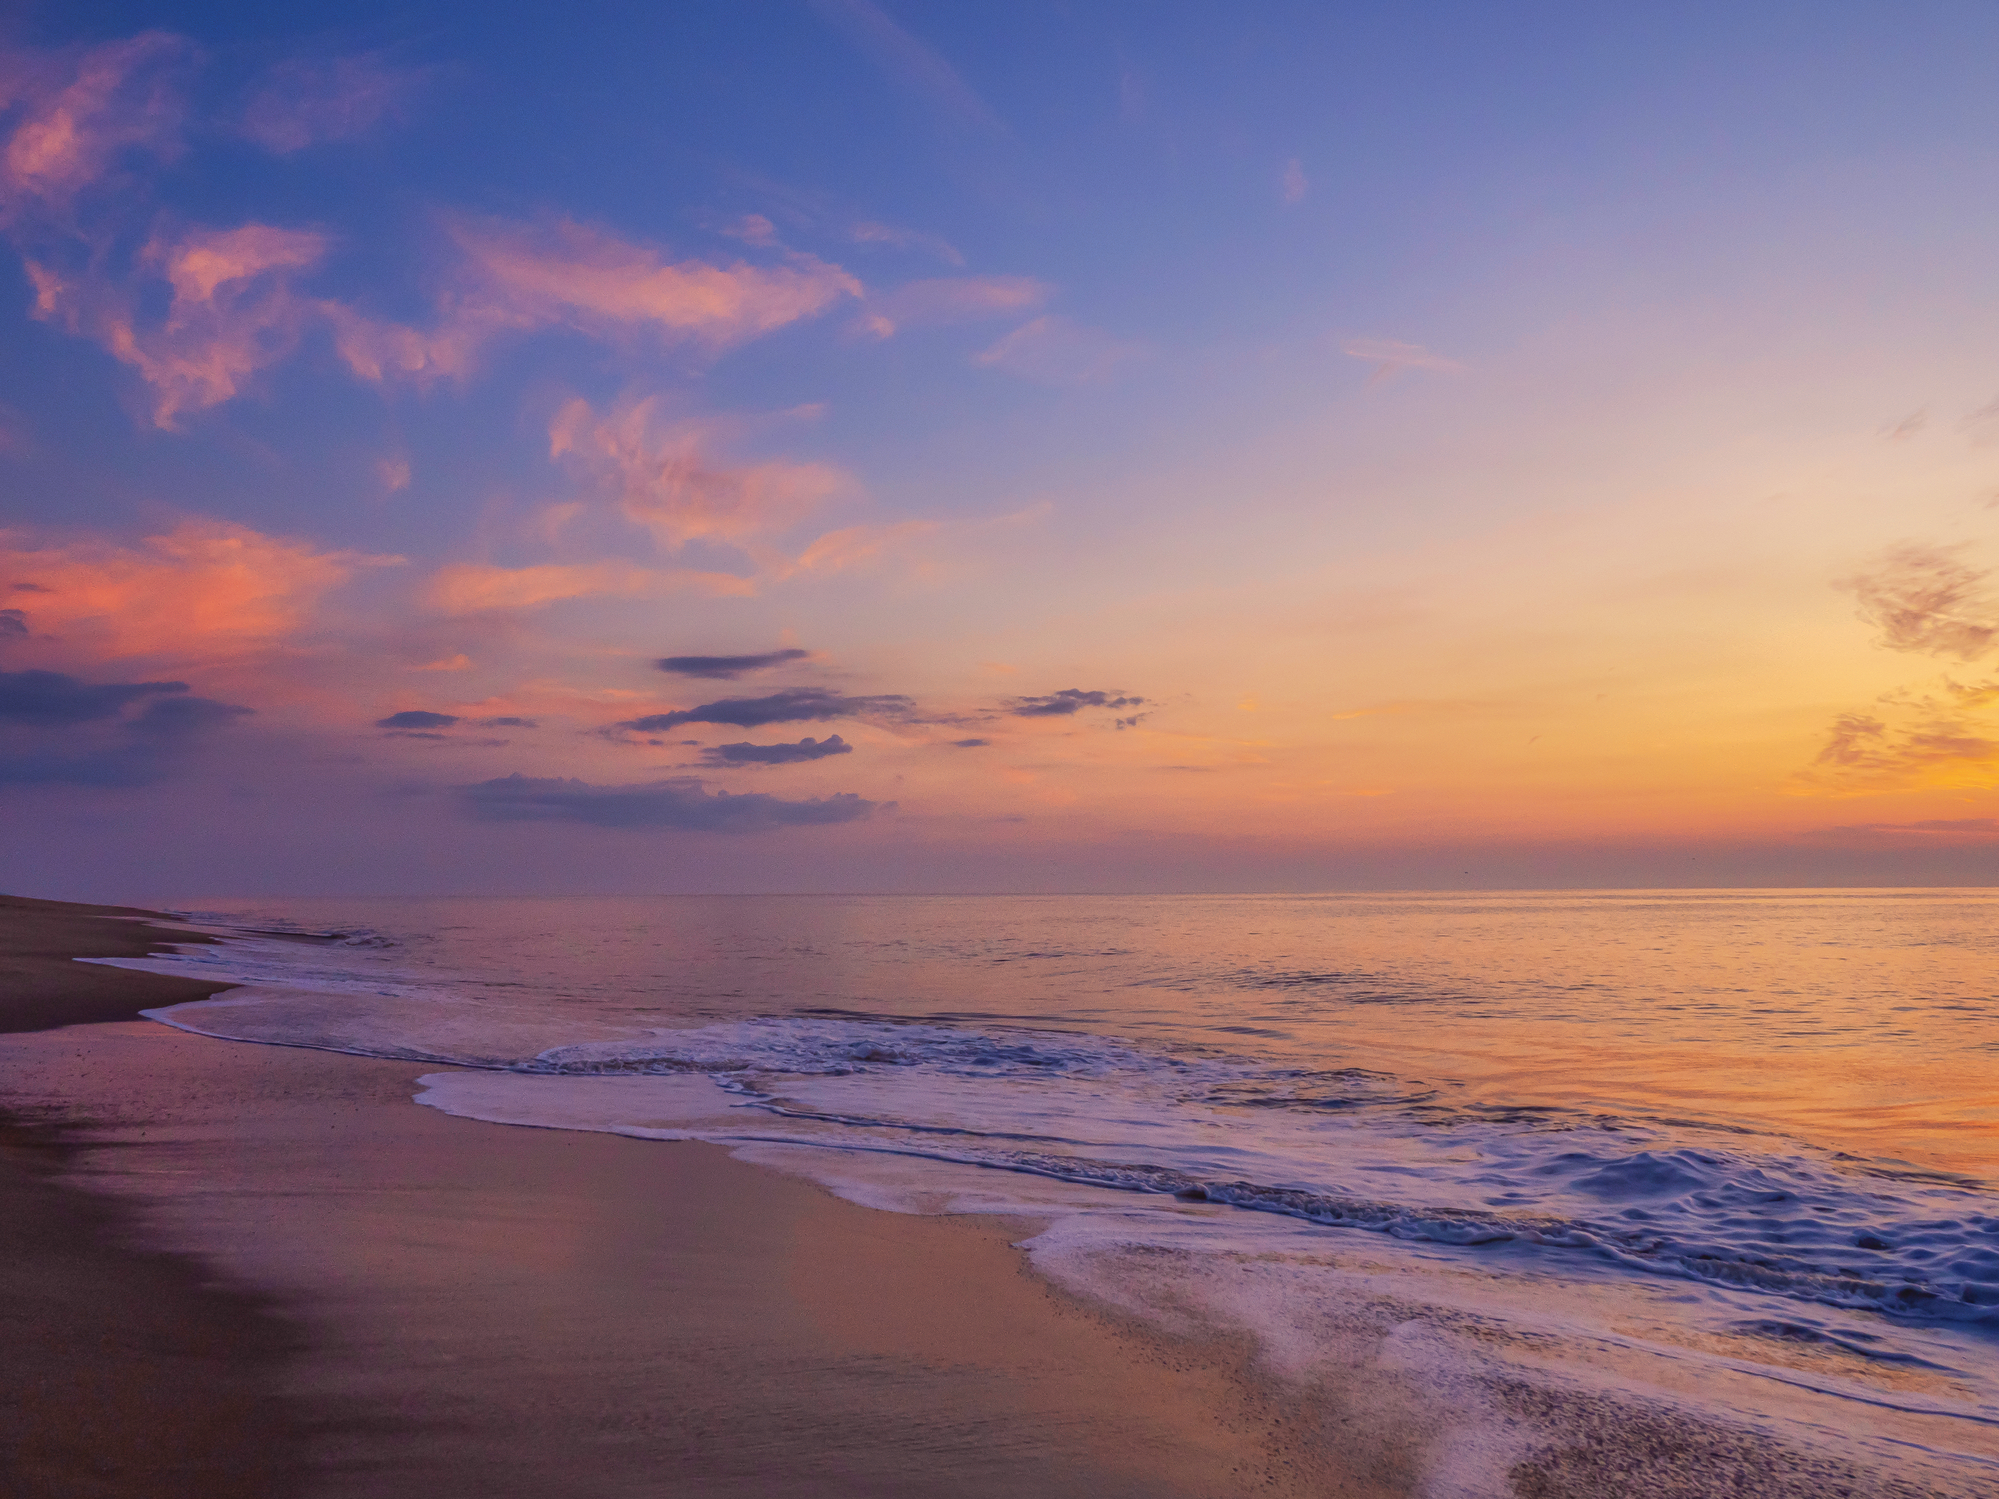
(661, 475)
(234, 311)
(71, 116)
(461, 588)
(1390, 357)
(1929, 828)
(1292, 184)
(1922, 600)
(563, 271)
(237, 306)
(910, 62)
(1941, 737)
(305, 102)
(1927, 600)
(651, 469)
(73, 121)
(514, 277)
(1055, 351)
(1875, 749)
(951, 299)
(873, 232)
(851, 546)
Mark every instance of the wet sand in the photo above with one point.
(296, 1282)
(129, 1371)
(41, 986)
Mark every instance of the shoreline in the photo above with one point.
(134, 1373)
(43, 987)
(672, 1317)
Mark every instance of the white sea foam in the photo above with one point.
(1673, 1261)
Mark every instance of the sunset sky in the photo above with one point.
(907, 445)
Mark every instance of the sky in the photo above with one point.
(897, 445)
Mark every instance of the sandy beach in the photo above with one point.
(253, 1270)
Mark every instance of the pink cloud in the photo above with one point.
(235, 309)
(1390, 357)
(873, 233)
(838, 550)
(751, 229)
(380, 352)
(203, 261)
(517, 278)
(952, 299)
(233, 312)
(203, 589)
(1292, 185)
(909, 61)
(662, 476)
(66, 120)
(303, 103)
(74, 122)
(1055, 351)
(570, 273)
(472, 588)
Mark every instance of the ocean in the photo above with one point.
(1729, 1152)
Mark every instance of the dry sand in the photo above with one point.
(286, 1279)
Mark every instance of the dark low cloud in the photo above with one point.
(777, 754)
(49, 698)
(679, 805)
(726, 668)
(970, 743)
(179, 717)
(798, 705)
(1068, 701)
(421, 723)
(1926, 599)
(1960, 827)
(13, 623)
(56, 729)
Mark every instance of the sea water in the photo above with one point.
(1730, 1153)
